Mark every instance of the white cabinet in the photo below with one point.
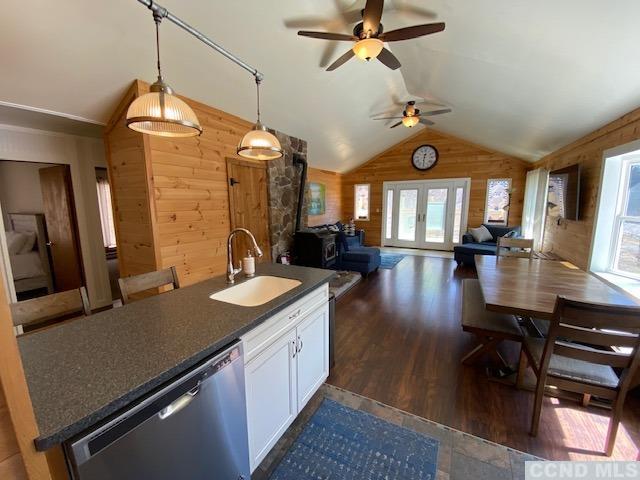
(270, 380)
(313, 353)
(287, 359)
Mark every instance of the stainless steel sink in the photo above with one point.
(256, 291)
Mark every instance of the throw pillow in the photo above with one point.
(15, 242)
(481, 234)
(30, 241)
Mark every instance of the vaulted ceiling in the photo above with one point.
(522, 77)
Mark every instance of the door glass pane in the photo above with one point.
(457, 214)
(407, 215)
(633, 199)
(628, 258)
(436, 214)
(389, 219)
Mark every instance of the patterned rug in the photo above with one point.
(389, 260)
(341, 443)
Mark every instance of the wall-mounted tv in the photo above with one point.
(563, 199)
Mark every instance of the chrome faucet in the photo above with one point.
(231, 271)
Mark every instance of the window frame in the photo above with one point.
(620, 218)
(355, 202)
(486, 201)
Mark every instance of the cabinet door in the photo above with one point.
(271, 395)
(313, 353)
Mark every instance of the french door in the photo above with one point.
(429, 214)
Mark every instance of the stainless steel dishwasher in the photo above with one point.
(195, 428)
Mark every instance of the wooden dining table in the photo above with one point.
(530, 287)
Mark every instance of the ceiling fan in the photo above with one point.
(369, 37)
(411, 116)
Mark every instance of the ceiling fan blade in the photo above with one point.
(328, 36)
(372, 15)
(408, 33)
(389, 59)
(396, 124)
(343, 59)
(386, 118)
(435, 112)
(424, 121)
(353, 16)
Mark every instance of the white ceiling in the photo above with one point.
(522, 77)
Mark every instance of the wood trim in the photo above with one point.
(16, 393)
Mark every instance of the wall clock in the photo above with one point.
(424, 157)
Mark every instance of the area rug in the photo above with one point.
(389, 260)
(343, 282)
(339, 443)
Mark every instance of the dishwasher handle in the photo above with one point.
(179, 404)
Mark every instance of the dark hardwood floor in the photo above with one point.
(399, 341)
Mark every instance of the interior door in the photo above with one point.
(248, 205)
(60, 217)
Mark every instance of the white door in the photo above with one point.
(270, 380)
(313, 353)
(429, 214)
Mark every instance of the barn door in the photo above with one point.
(60, 217)
(248, 205)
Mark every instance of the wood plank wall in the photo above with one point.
(130, 182)
(188, 208)
(571, 240)
(457, 159)
(333, 184)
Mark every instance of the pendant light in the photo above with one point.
(258, 143)
(160, 112)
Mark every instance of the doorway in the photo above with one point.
(425, 214)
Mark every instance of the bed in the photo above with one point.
(31, 269)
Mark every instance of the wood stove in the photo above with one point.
(315, 248)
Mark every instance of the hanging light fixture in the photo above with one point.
(258, 143)
(160, 112)
(410, 120)
(368, 48)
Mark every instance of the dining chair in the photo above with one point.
(49, 308)
(515, 247)
(489, 328)
(146, 281)
(577, 355)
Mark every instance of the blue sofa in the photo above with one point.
(352, 255)
(464, 253)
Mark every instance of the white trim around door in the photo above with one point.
(426, 214)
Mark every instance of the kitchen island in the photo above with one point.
(82, 372)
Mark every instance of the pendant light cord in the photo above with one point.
(258, 80)
(158, 19)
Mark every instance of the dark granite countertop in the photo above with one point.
(83, 371)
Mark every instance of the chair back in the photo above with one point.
(147, 281)
(523, 247)
(50, 307)
(578, 328)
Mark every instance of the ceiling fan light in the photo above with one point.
(368, 48)
(161, 113)
(260, 144)
(410, 121)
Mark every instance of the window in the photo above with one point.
(104, 205)
(497, 205)
(457, 218)
(389, 219)
(625, 247)
(361, 207)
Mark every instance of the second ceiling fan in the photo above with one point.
(369, 37)
(411, 116)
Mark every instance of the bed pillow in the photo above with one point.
(15, 242)
(29, 243)
(481, 234)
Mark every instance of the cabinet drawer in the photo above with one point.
(266, 333)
